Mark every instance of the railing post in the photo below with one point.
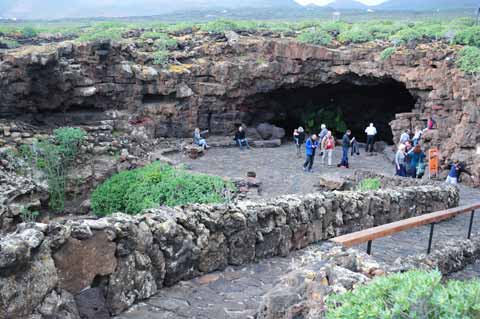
(369, 247)
(471, 224)
(432, 225)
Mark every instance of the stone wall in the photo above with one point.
(129, 258)
(212, 86)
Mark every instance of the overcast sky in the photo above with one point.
(323, 2)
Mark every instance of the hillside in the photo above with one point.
(347, 4)
(427, 4)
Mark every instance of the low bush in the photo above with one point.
(29, 32)
(114, 34)
(156, 185)
(10, 44)
(469, 60)
(355, 35)
(406, 35)
(468, 36)
(414, 294)
(315, 37)
(369, 184)
(387, 53)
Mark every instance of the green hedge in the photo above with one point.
(414, 294)
(156, 185)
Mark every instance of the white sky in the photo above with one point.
(324, 2)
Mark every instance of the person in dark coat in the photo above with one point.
(241, 139)
(345, 146)
(299, 139)
(456, 169)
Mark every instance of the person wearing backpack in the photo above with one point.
(416, 169)
(328, 145)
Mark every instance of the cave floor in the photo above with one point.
(236, 292)
(279, 169)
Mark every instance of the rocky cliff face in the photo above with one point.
(215, 78)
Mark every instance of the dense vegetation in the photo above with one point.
(461, 31)
(415, 294)
(55, 157)
(156, 185)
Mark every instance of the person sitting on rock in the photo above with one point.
(345, 146)
(299, 138)
(328, 144)
(456, 169)
(241, 139)
(310, 147)
(198, 139)
(431, 123)
(371, 131)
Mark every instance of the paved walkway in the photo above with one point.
(237, 291)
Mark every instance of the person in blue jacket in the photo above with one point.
(345, 146)
(310, 147)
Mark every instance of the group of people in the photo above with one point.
(325, 141)
(409, 158)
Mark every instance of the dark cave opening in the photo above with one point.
(352, 103)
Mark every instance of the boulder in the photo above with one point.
(79, 261)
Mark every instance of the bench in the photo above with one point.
(368, 235)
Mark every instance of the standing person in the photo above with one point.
(198, 139)
(321, 136)
(400, 161)
(345, 145)
(456, 169)
(405, 137)
(241, 139)
(328, 144)
(310, 146)
(416, 169)
(371, 132)
(355, 148)
(417, 137)
(298, 138)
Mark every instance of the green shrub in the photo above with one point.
(315, 37)
(387, 53)
(55, 157)
(114, 34)
(160, 57)
(355, 35)
(219, 26)
(29, 32)
(155, 185)
(468, 36)
(407, 35)
(469, 60)
(369, 184)
(414, 294)
(11, 44)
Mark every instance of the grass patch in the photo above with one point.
(369, 184)
(157, 185)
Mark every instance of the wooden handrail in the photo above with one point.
(396, 227)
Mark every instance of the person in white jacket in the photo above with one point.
(371, 132)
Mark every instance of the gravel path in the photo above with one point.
(236, 292)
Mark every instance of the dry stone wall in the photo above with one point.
(124, 259)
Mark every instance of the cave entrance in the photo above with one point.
(352, 103)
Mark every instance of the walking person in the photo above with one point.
(400, 161)
(416, 169)
(310, 147)
(371, 132)
(241, 139)
(328, 145)
(345, 145)
(298, 138)
(456, 169)
(198, 139)
(321, 136)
